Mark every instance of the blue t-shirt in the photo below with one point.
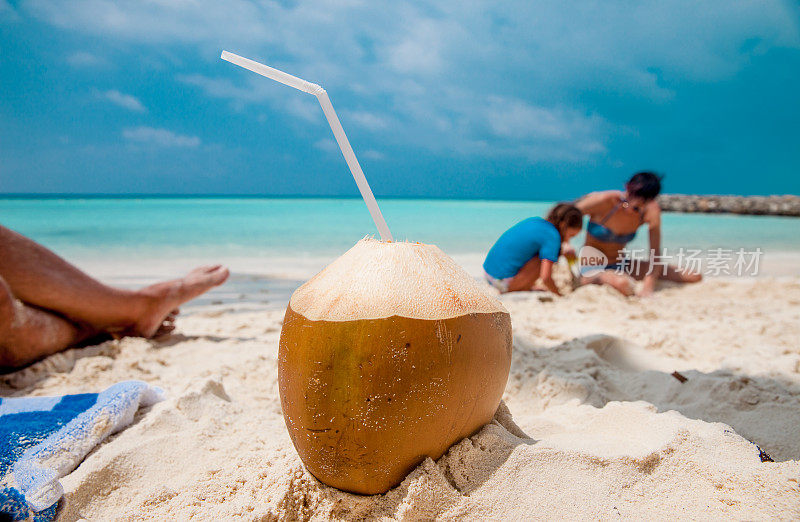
(519, 244)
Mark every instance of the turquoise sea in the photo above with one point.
(292, 237)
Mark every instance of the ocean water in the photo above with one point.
(293, 238)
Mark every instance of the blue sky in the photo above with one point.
(521, 100)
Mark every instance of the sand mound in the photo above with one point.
(201, 455)
(601, 428)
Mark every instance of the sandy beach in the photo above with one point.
(171, 173)
(594, 423)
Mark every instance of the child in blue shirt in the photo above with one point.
(526, 252)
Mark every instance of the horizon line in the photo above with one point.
(145, 195)
(218, 195)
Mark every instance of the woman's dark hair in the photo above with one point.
(645, 185)
(565, 214)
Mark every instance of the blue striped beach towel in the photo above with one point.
(42, 439)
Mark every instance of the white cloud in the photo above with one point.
(327, 145)
(304, 107)
(224, 88)
(515, 118)
(484, 77)
(367, 120)
(421, 46)
(703, 39)
(156, 21)
(7, 11)
(257, 90)
(126, 101)
(374, 154)
(84, 59)
(159, 137)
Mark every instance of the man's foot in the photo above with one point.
(163, 299)
(167, 326)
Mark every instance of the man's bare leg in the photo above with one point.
(40, 278)
(28, 334)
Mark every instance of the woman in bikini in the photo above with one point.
(614, 218)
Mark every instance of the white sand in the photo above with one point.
(600, 428)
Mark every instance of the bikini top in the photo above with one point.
(602, 233)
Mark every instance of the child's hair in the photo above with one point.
(646, 185)
(565, 214)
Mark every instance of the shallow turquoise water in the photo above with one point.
(131, 229)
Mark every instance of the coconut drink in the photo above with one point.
(390, 354)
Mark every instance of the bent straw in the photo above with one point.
(336, 127)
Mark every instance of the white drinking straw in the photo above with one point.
(336, 127)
